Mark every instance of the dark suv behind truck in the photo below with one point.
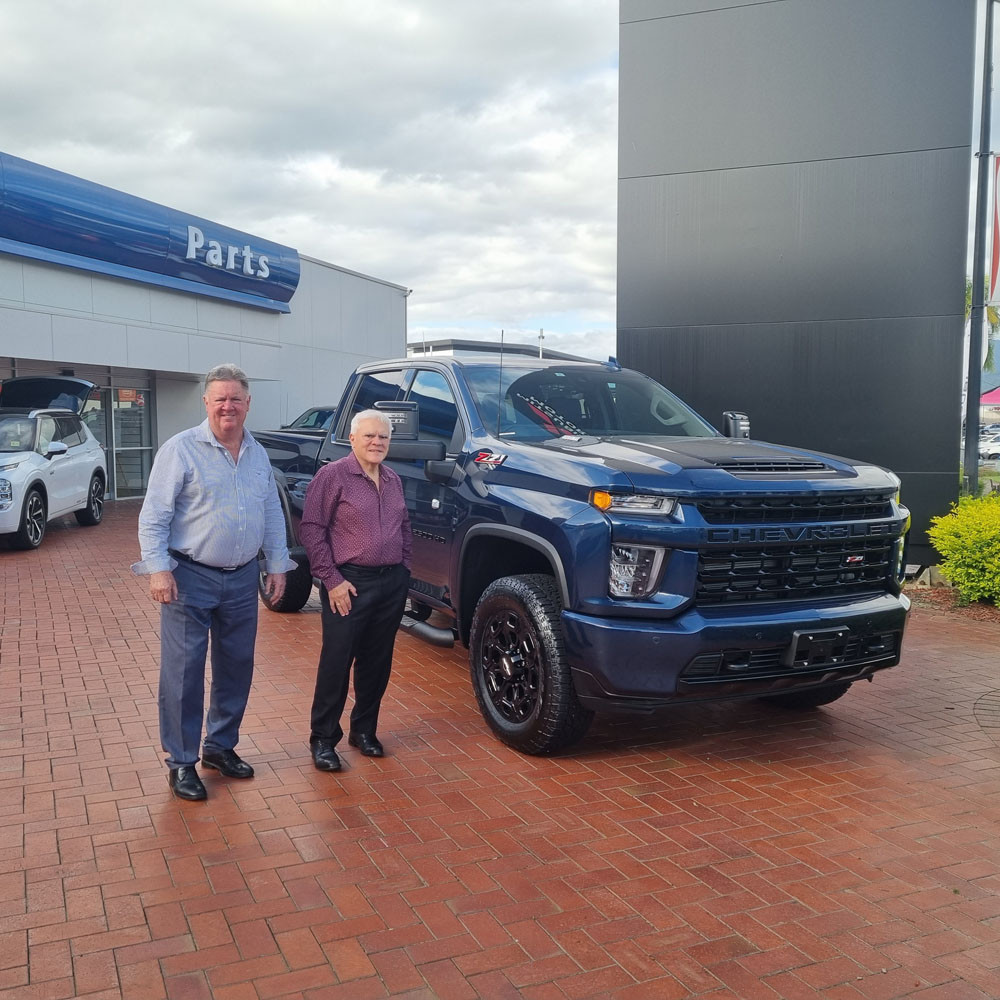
(598, 546)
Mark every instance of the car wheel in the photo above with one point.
(33, 517)
(94, 511)
(518, 666)
(813, 698)
(298, 588)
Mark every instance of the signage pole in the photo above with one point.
(974, 381)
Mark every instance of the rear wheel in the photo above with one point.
(298, 589)
(33, 517)
(94, 511)
(518, 666)
(813, 698)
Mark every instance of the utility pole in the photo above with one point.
(974, 378)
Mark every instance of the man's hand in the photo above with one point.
(340, 597)
(163, 587)
(274, 586)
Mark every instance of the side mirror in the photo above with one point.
(57, 448)
(444, 472)
(737, 425)
(404, 415)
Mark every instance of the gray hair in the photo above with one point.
(227, 373)
(379, 415)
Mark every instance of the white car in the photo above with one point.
(989, 448)
(50, 462)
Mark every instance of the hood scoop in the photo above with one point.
(772, 467)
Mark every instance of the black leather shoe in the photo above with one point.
(185, 783)
(324, 755)
(367, 743)
(227, 762)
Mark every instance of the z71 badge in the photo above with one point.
(489, 460)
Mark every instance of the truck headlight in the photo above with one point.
(6, 494)
(635, 570)
(632, 503)
(8, 466)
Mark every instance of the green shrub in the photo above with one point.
(968, 539)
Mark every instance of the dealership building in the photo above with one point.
(142, 300)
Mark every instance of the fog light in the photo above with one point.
(634, 570)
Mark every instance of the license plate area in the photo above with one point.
(817, 647)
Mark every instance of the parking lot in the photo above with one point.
(732, 851)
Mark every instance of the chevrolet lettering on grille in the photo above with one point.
(799, 533)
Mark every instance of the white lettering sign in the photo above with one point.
(216, 256)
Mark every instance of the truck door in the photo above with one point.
(432, 507)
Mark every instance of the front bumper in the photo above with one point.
(714, 654)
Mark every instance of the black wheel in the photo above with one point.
(298, 588)
(813, 698)
(518, 666)
(94, 511)
(32, 530)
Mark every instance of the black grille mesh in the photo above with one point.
(773, 573)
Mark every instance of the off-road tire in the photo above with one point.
(298, 589)
(517, 661)
(813, 698)
(93, 513)
(34, 516)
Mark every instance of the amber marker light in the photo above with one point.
(601, 499)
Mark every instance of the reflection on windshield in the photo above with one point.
(17, 433)
(567, 401)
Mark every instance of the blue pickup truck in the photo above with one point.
(598, 546)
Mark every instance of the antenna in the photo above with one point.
(500, 384)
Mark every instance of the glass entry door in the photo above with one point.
(121, 419)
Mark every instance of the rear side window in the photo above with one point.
(69, 431)
(376, 387)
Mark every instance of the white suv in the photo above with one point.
(50, 463)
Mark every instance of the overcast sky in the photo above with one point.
(464, 149)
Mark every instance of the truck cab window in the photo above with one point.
(438, 410)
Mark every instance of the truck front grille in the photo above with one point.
(796, 509)
(774, 573)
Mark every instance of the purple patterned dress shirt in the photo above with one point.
(347, 519)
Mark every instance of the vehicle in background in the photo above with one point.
(598, 546)
(50, 462)
(989, 448)
(318, 419)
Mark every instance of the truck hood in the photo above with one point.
(711, 463)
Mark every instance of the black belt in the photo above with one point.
(358, 569)
(184, 557)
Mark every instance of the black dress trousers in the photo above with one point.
(364, 638)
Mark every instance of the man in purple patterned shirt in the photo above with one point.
(357, 533)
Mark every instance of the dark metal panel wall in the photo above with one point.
(793, 207)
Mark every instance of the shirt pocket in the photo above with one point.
(259, 486)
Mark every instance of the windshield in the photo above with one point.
(17, 433)
(317, 418)
(567, 401)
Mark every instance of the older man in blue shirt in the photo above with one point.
(210, 507)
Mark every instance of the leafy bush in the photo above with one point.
(968, 539)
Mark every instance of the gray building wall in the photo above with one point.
(793, 210)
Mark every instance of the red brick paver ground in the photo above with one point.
(734, 851)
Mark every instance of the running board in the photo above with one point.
(429, 633)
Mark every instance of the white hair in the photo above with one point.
(379, 415)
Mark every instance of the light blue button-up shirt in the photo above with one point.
(218, 511)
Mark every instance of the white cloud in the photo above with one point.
(465, 150)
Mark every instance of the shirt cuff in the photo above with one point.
(154, 564)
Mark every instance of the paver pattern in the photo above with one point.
(732, 851)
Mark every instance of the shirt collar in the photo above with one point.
(204, 433)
